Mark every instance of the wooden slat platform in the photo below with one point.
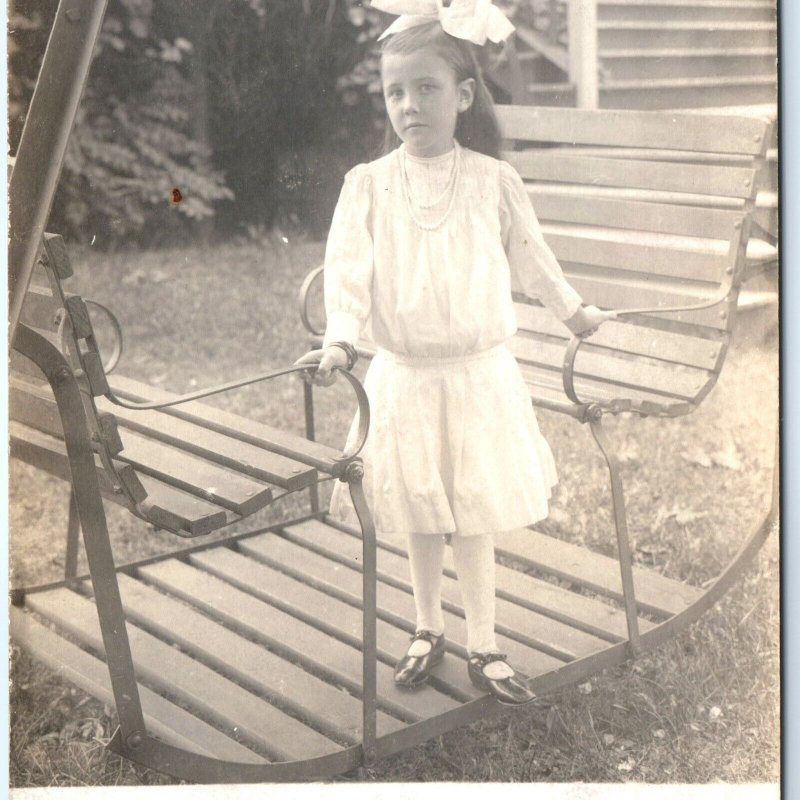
(249, 650)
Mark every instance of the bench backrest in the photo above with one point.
(643, 210)
(64, 320)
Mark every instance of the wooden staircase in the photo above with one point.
(651, 54)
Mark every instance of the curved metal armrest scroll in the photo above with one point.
(358, 389)
(305, 291)
(110, 365)
(620, 404)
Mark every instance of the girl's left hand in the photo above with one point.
(587, 319)
(326, 360)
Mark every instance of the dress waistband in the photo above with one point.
(438, 361)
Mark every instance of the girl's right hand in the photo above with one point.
(327, 359)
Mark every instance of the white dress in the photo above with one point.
(454, 446)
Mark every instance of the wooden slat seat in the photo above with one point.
(584, 613)
(168, 670)
(168, 721)
(258, 640)
(522, 624)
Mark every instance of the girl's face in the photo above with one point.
(423, 100)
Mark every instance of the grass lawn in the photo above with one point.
(702, 708)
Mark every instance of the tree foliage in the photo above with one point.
(236, 103)
(132, 142)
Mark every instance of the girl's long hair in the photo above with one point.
(477, 127)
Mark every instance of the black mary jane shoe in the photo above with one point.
(412, 671)
(510, 691)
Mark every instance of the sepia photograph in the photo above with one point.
(393, 396)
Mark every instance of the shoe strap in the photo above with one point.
(427, 636)
(480, 660)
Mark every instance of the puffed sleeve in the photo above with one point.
(348, 260)
(534, 268)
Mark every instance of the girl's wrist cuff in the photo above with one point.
(350, 352)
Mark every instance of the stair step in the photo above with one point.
(687, 52)
(689, 83)
(685, 97)
(750, 300)
(685, 25)
(629, 64)
(684, 34)
(707, 10)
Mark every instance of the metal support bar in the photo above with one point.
(621, 525)
(51, 114)
(354, 475)
(73, 531)
(95, 530)
(308, 402)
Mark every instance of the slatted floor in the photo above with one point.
(250, 651)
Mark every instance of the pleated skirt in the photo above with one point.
(453, 447)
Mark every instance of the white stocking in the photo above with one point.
(425, 558)
(474, 561)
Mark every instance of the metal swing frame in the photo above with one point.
(32, 186)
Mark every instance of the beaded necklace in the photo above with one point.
(451, 186)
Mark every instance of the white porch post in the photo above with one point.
(582, 42)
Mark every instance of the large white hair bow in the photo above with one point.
(473, 20)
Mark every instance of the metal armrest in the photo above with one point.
(358, 389)
(614, 406)
(618, 405)
(116, 353)
(303, 296)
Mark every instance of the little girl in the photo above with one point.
(424, 246)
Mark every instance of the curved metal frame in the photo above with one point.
(90, 512)
(31, 190)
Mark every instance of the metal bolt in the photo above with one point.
(729, 270)
(354, 472)
(135, 740)
(296, 471)
(723, 315)
(738, 223)
(757, 137)
(117, 489)
(61, 374)
(747, 182)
